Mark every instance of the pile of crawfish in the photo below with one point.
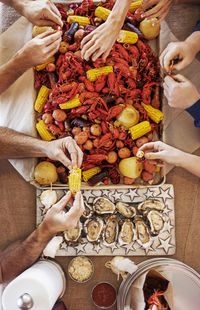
(135, 79)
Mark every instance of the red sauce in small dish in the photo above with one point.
(104, 295)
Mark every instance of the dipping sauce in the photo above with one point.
(104, 295)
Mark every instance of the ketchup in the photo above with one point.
(104, 295)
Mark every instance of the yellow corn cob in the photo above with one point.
(74, 180)
(157, 169)
(102, 12)
(93, 74)
(134, 6)
(82, 20)
(127, 37)
(87, 174)
(41, 98)
(154, 114)
(139, 130)
(42, 66)
(43, 132)
(72, 103)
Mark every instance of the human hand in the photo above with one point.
(38, 50)
(180, 92)
(41, 12)
(181, 50)
(160, 9)
(162, 152)
(100, 41)
(56, 219)
(56, 150)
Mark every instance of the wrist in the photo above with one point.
(45, 232)
(194, 42)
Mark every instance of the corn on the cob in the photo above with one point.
(43, 132)
(139, 130)
(154, 114)
(87, 174)
(72, 103)
(82, 20)
(134, 6)
(127, 37)
(102, 12)
(42, 66)
(74, 180)
(157, 169)
(93, 74)
(41, 98)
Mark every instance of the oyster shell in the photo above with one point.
(88, 211)
(93, 228)
(127, 233)
(111, 230)
(142, 233)
(156, 221)
(103, 205)
(125, 209)
(72, 235)
(151, 204)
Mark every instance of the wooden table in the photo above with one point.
(17, 220)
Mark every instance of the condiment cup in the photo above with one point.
(71, 262)
(95, 289)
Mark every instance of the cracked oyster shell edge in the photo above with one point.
(93, 228)
(111, 230)
(127, 233)
(103, 205)
(125, 209)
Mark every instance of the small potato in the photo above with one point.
(77, 54)
(119, 144)
(88, 145)
(81, 138)
(135, 150)
(63, 47)
(112, 157)
(51, 67)
(128, 181)
(59, 115)
(45, 173)
(124, 152)
(53, 129)
(146, 176)
(108, 143)
(141, 141)
(86, 129)
(47, 118)
(76, 131)
(78, 36)
(150, 136)
(96, 142)
(149, 31)
(122, 135)
(95, 130)
(150, 165)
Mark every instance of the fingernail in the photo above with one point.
(69, 167)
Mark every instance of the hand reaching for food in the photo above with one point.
(160, 9)
(180, 92)
(57, 220)
(56, 150)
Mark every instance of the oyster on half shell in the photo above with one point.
(103, 205)
(111, 230)
(142, 233)
(88, 212)
(156, 221)
(151, 204)
(125, 209)
(72, 235)
(127, 233)
(93, 228)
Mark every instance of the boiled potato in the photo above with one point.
(45, 173)
(149, 31)
(128, 117)
(38, 30)
(129, 167)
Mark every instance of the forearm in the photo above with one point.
(190, 162)
(22, 254)
(17, 145)
(119, 11)
(18, 5)
(194, 41)
(12, 70)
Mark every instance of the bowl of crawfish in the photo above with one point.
(86, 99)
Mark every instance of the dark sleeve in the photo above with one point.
(194, 111)
(197, 27)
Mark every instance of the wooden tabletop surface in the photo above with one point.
(18, 218)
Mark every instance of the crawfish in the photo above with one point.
(100, 82)
(121, 50)
(87, 95)
(114, 111)
(155, 302)
(146, 92)
(156, 98)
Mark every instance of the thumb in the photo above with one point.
(156, 155)
(64, 160)
(65, 199)
(179, 78)
(180, 65)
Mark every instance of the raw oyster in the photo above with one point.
(111, 230)
(151, 204)
(102, 205)
(156, 221)
(142, 233)
(88, 211)
(126, 234)
(72, 235)
(93, 228)
(125, 209)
